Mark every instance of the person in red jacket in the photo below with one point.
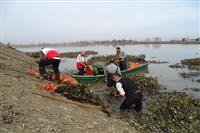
(81, 63)
(49, 56)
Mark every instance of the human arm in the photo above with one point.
(119, 71)
(41, 54)
(120, 89)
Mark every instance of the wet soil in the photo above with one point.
(24, 112)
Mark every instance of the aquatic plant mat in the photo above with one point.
(170, 112)
(75, 54)
(191, 64)
(163, 112)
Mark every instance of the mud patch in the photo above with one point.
(9, 114)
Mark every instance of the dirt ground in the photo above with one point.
(23, 112)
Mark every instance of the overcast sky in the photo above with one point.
(57, 22)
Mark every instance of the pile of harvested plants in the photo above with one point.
(80, 93)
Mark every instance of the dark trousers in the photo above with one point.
(110, 82)
(122, 65)
(135, 99)
(54, 62)
(81, 71)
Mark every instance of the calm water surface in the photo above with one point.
(168, 77)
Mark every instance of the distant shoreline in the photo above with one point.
(119, 42)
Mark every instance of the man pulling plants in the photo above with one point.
(49, 56)
(126, 87)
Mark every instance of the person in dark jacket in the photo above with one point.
(126, 87)
(121, 57)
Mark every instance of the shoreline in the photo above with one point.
(120, 43)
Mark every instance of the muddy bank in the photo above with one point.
(24, 112)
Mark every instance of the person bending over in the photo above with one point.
(49, 56)
(127, 88)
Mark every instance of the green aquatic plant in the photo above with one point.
(75, 54)
(171, 112)
(148, 85)
(191, 62)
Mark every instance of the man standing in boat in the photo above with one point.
(121, 57)
(49, 56)
(111, 69)
(81, 63)
(126, 87)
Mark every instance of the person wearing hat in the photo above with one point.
(49, 56)
(121, 56)
(81, 63)
(133, 96)
(111, 69)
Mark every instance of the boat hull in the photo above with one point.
(91, 79)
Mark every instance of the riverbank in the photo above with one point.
(93, 43)
(21, 111)
(163, 112)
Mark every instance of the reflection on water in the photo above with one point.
(171, 53)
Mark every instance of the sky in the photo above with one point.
(50, 21)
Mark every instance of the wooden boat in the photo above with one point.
(94, 78)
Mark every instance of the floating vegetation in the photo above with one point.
(171, 112)
(189, 74)
(156, 62)
(75, 54)
(191, 62)
(192, 89)
(177, 65)
(102, 58)
(148, 85)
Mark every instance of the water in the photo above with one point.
(168, 77)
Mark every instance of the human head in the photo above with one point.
(111, 61)
(116, 77)
(118, 49)
(82, 53)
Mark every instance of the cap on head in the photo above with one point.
(115, 76)
(118, 48)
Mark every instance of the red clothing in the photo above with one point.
(79, 65)
(50, 54)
